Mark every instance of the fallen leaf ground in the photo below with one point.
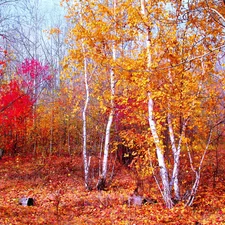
(56, 184)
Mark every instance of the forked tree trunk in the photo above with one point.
(176, 156)
(159, 151)
(192, 194)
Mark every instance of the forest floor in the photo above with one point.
(56, 183)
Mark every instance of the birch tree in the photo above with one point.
(112, 110)
(86, 158)
(152, 123)
(175, 85)
(177, 139)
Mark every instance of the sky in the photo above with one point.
(51, 5)
(53, 11)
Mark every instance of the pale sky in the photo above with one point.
(51, 4)
(54, 12)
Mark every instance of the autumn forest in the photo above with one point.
(112, 112)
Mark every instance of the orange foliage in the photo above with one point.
(60, 196)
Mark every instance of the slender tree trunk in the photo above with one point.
(111, 114)
(68, 138)
(106, 146)
(197, 171)
(176, 155)
(109, 123)
(86, 161)
(85, 157)
(51, 134)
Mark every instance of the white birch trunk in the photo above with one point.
(152, 124)
(197, 172)
(106, 146)
(174, 182)
(85, 157)
(111, 114)
(160, 156)
(176, 155)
